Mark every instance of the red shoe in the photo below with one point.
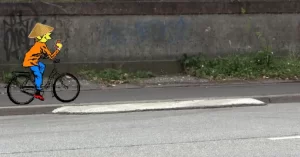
(38, 96)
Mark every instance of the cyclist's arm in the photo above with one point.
(48, 52)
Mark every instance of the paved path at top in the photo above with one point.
(171, 93)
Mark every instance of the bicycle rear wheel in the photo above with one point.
(17, 87)
(60, 83)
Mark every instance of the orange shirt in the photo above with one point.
(37, 50)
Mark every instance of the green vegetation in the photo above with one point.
(262, 64)
(114, 75)
(5, 77)
(242, 66)
(108, 76)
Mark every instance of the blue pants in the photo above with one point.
(38, 72)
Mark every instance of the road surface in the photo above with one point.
(168, 93)
(271, 130)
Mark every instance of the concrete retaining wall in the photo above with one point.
(149, 35)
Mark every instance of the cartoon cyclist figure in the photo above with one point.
(41, 33)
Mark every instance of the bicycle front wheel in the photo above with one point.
(23, 87)
(66, 81)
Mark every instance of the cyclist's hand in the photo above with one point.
(58, 44)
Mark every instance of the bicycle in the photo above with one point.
(54, 75)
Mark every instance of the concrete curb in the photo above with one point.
(157, 106)
(288, 98)
(179, 84)
(47, 109)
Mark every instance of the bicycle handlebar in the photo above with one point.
(56, 60)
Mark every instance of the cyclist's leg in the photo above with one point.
(37, 81)
(42, 67)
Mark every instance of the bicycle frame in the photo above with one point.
(51, 77)
(54, 73)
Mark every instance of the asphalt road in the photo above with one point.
(246, 131)
(167, 93)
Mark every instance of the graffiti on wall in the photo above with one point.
(151, 31)
(16, 30)
(113, 33)
(170, 31)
